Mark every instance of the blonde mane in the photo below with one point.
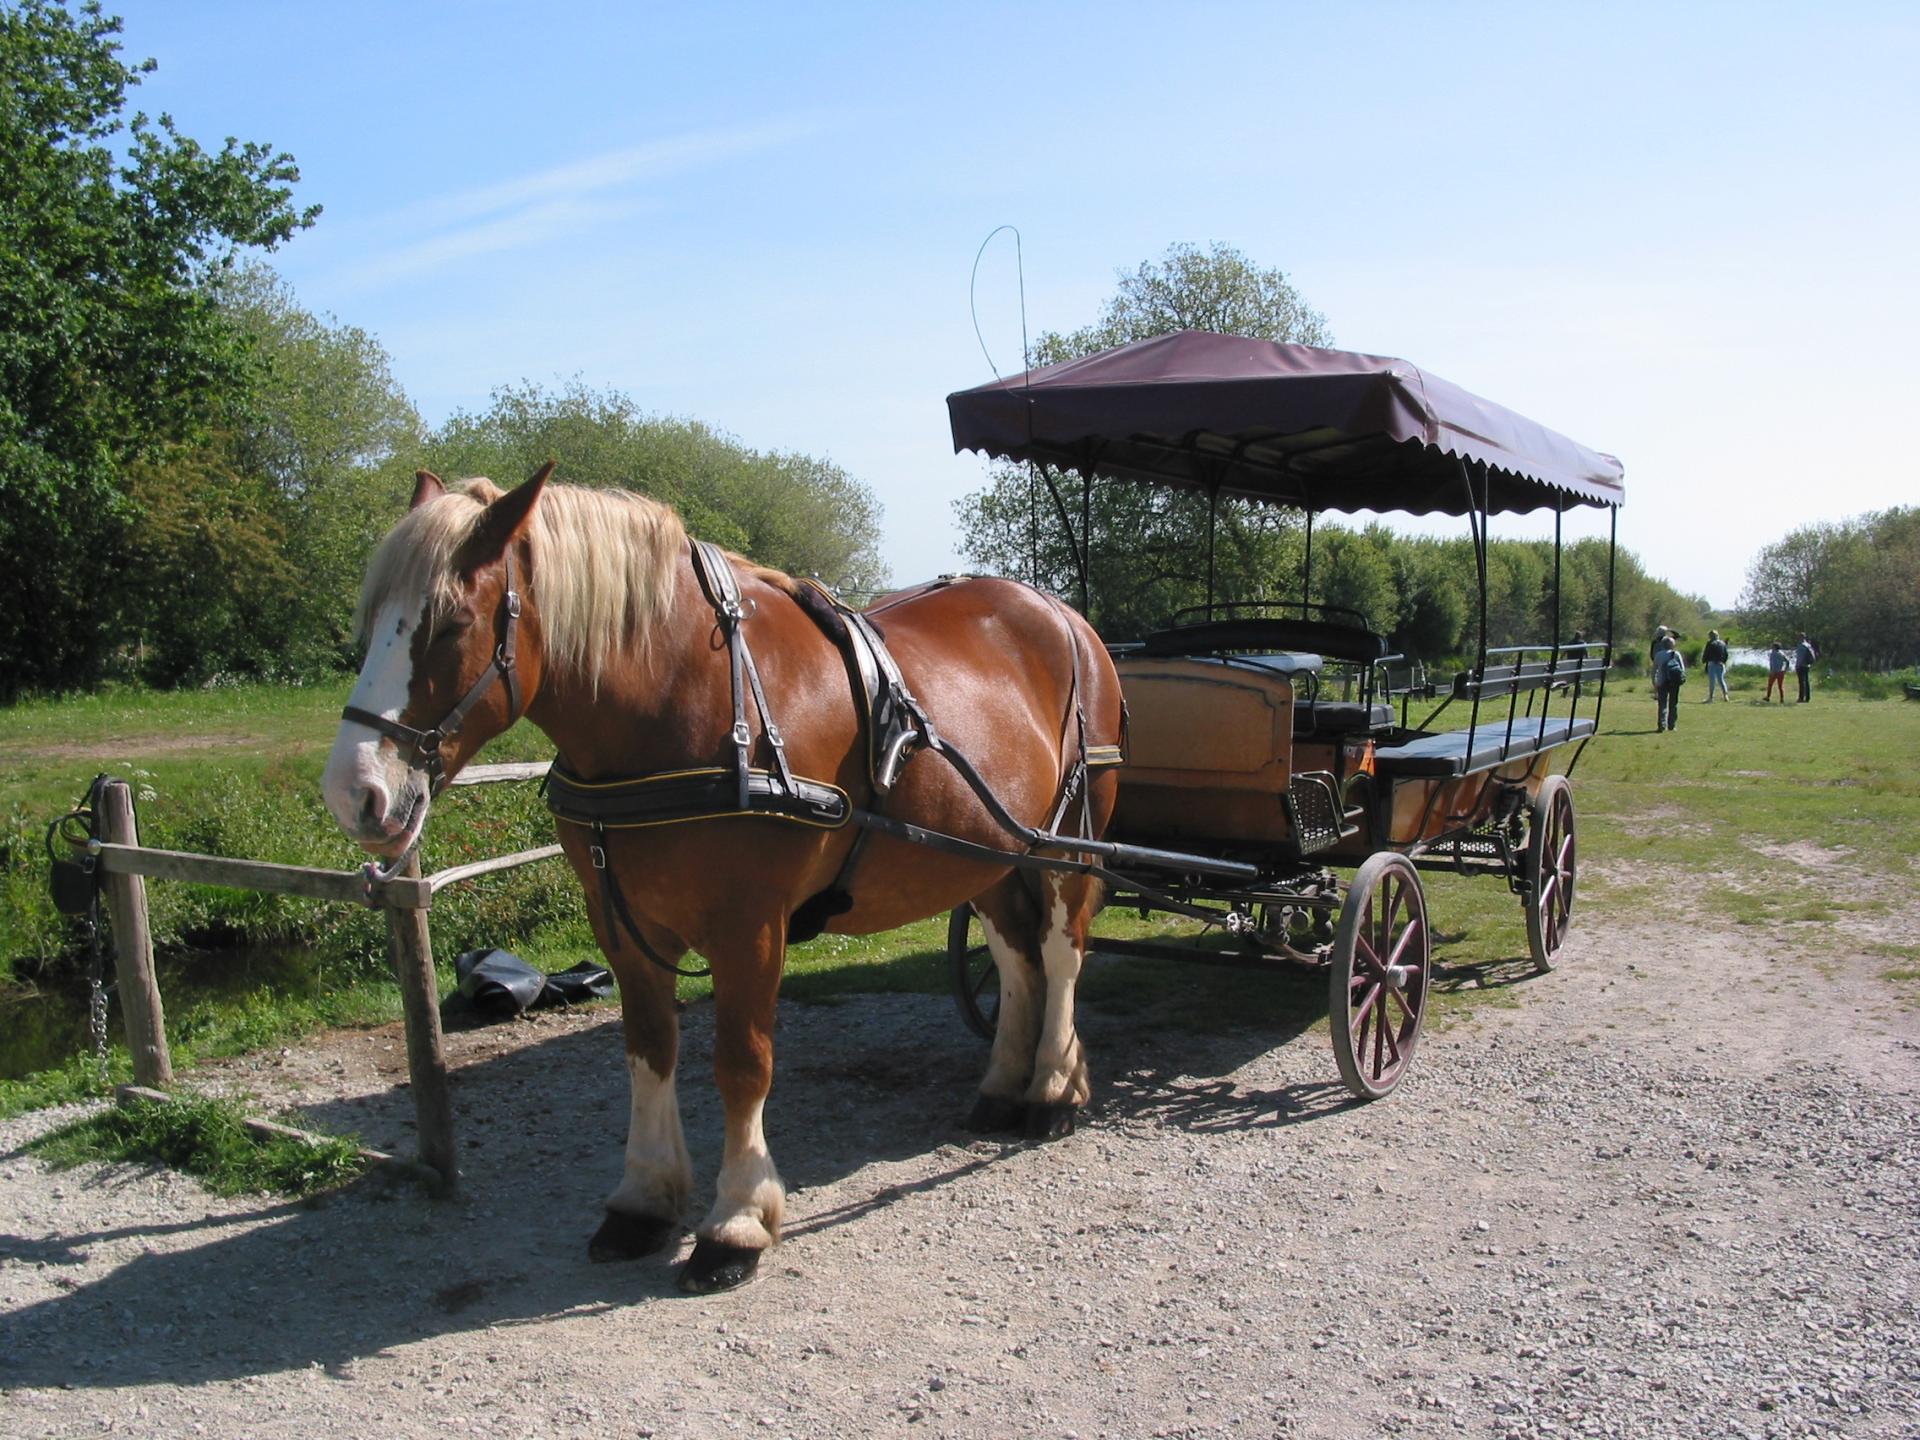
(603, 565)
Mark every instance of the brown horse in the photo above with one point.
(587, 604)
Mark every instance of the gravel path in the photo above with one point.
(1674, 1190)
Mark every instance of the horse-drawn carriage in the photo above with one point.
(1281, 734)
(718, 793)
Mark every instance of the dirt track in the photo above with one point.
(1675, 1192)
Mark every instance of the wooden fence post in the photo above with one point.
(412, 950)
(126, 896)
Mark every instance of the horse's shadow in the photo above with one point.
(883, 1078)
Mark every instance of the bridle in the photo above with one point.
(421, 748)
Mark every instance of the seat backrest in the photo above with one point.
(1268, 633)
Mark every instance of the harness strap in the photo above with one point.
(617, 911)
(722, 588)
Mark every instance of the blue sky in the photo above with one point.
(1683, 233)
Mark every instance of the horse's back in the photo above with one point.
(1005, 673)
(982, 654)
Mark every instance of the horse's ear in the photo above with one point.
(426, 486)
(506, 517)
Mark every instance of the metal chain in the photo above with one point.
(96, 975)
(97, 995)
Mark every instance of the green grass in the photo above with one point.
(207, 1139)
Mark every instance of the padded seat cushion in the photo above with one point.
(1339, 717)
(1447, 752)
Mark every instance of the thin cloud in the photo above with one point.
(532, 209)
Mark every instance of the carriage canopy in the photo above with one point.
(1293, 424)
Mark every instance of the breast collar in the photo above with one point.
(421, 748)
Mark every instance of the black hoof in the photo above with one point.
(993, 1116)
(628, 1237)
(715, 1266)
(1049, 1122)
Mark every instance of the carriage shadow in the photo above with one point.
(859, 1085)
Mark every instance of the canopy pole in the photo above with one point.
(1213, 529)
(1613, 548)
(1306, 584)
(1558, 511)
(1033, 526)
(1086, 540)
(1477, 522)
(1077, 550)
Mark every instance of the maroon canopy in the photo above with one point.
(1320, 429)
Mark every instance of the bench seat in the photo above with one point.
(1447, 754)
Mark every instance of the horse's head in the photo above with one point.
(451, 660)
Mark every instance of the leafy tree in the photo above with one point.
(1217, 289)
(111, 348)
(1354, 569)
(1853, 585)
(1435, 598)
(207, 574)
(328, 435)
(792, 511)
(1148, 547)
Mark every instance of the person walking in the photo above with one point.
(1715, 656)
(1776, 673)
(1804, 654)
(1669, 674)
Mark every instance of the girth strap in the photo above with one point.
(683, 795)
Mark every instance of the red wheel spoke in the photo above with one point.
(1366, 1005)
(1363, 951)
(1400, 945)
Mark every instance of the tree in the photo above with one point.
(327, 435)
(795, 512)
(1147, 547)
(1853, 585)
(111, 347)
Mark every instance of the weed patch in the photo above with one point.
(207, 1139)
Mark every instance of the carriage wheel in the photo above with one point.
(976, 983)
(1381, 970)
(1551, 872)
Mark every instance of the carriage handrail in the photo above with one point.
(1206, 611)
(1574, 669)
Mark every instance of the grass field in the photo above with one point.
(1761, 815)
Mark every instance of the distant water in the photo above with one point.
(1746, 657)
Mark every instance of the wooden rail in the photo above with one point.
(406, 897)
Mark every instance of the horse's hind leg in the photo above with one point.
(644, 1211)
(1059, 1085)
(1008, 917)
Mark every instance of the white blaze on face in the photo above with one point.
(367, 786)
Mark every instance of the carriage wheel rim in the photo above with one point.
(1554, 860)
(1382, 1018)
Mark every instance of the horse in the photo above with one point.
(584, 610)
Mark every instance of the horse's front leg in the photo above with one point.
(749, 1199)
(644, 1211)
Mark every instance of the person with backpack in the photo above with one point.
(1669, 674)
(1804, 654)
(1715, 658)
